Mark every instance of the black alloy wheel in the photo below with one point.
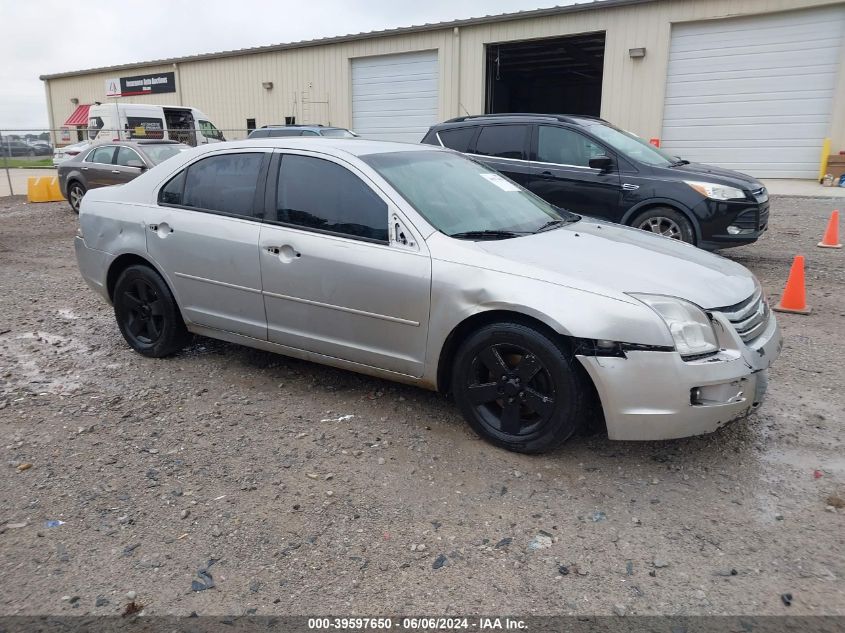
(147, 314)
(519, 389)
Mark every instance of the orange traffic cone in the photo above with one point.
(794, 298)
(831, 235)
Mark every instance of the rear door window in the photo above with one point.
(317, 194)
(503, 141)
(457, 139)
(224, 184)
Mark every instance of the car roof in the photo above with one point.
(138, 142)
(297, 126)
(352, 146)
(519, 117)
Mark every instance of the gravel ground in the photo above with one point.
(319, 491)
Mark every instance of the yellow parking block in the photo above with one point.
(43, 189)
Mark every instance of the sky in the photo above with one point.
(51, 36)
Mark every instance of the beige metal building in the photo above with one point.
(755, 85)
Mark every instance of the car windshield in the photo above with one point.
(338, 133)
(160, 153)
(633, 146)
(462, 198)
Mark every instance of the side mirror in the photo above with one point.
(136, 163)
(602, 163)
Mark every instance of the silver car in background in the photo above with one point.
(417, 264)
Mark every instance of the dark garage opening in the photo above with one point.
(559, 75)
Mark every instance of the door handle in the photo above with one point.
(546, 175)
(84, 168)
(115, 171)
(162, 229)
(286, 253)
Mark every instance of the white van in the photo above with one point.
(124, 121)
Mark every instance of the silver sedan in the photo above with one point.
(419, 265)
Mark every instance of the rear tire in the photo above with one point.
(667, 222)
(75, 193)
(519, 389)
(147, 314)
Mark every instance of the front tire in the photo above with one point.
(75, 192)
(667, 222)
(147, 314)
(519, 389)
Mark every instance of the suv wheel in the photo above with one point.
(667, 222)
(147, 314)
(518, 389)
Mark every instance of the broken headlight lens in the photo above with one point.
(689, 326)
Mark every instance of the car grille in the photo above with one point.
(748, 317)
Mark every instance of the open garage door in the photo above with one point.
(754, 94)
(395, 97)
(558, 75)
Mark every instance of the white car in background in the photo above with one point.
(62, 154)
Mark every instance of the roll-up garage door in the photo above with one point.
(754, 93)
(395, 97)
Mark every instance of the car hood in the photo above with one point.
(609, 259)
(700, 171)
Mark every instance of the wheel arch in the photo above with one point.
(124, 261)
(478, 320)
(464, 329)
(653, 203)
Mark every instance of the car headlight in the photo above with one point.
(716, 192)
(689, 326)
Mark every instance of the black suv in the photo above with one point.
(586, 165)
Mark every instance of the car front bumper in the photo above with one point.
(652, 395)
(720, 220)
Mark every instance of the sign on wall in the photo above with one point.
(155, 83)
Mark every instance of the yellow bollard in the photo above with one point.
(44, 189)
(54, 190)
(824, 159)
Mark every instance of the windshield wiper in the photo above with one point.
(552, 224)
(485, 235)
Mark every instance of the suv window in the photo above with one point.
(457, 139)
(318, 194)
(101, 155)
(563, 146)
(125, 154)
(224, 183)
(503, 141)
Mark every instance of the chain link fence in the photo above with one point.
(37, 152)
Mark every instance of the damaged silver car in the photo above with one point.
(419, 265)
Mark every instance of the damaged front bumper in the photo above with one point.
(654, 395)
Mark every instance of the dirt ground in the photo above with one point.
(318, 491)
